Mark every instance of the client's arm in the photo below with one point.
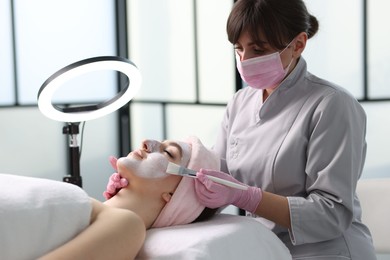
(113, 234)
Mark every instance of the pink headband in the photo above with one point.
(184, 207)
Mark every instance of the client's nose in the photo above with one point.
(150, 146)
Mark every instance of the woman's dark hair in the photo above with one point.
(279, 21)
(206, 214)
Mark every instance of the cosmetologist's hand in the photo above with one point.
(215, 195)
(115, 182)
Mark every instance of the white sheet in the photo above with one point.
(38, 215)
(224, 237)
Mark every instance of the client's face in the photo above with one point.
(150, 161)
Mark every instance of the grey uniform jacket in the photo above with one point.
(305, 142)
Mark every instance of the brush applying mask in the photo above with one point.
(182, 171)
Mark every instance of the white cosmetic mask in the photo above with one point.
(154, 166)
(186, 153)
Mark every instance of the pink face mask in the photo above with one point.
(264, 71)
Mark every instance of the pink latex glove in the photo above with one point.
(115, 182)
(215, 195)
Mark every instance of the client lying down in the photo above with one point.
(53, 220)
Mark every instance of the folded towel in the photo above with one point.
(38, 215)
(184, 206)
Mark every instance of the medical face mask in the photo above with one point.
(264, 71)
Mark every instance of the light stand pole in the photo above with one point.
(72, 130)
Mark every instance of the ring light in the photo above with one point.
(85, 113)
(74, 115)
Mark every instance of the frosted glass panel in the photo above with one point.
(6, 64)
(100, 141)
(53, 34)
(146, 123)
(216, 65)
(161, 43)
(31, 144)
(95, 85)
(201, 121)
(335, 53)
(378, 140)
(379, 50)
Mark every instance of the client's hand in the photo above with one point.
(215, 195)
(115, 182)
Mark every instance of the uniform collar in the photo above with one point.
(277, 100)
(294, 76)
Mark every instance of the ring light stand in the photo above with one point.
(72, 130)
(74, 115)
